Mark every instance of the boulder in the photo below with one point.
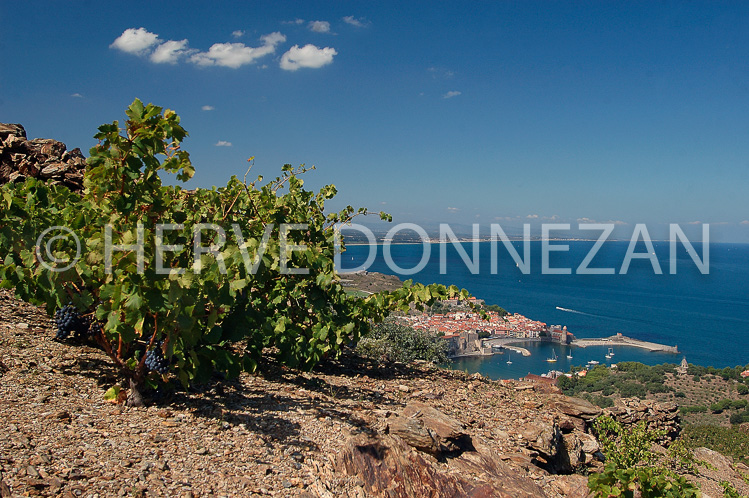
(575, 407)
(574, 485)
(429, 430)
(387, 466)
(573, 449)
(542, 437)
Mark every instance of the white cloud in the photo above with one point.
(144, 43)
(453, 209)
(359, 23)
(77, 95)
(223, 143)
(451, 94)
(307, 56)
(532, 216)
(440, 72)
(295, 21)
(235, 55)
(135, 41)
(586, 220)
(319, 26)
(694, 223)
(273, 39)
(169, 52)
(207, 108)
(238, 33)
(745, 222)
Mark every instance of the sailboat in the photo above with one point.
(611, 351)
(509, 361)
(553, 357)
(569, 355)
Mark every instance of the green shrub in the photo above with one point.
(496, 308)
(632, 467)
(738, 404)
(602, 401)
(721, 405)
(739, 418)
(394, 341)
(728, 490)
(567, 384)
(632, 389)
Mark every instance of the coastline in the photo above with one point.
(660, 308)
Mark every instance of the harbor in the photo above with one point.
(474, 346)
(495, 365)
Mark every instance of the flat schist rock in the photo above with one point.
(575, 407)
(7, 129)
(388, 466)
(429, 430)
(542, 436)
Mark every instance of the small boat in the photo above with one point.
(607, 357)
(509, 361)
(611, 351)
(553, 357)
(593, 362)
(569, 356)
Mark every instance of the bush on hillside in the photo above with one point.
(392, 340)
(633, 468)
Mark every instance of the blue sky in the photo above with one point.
(486, 112)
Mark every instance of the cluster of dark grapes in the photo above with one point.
(95, 329)
(155, 360)
(68, 321)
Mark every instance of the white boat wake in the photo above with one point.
(571, 311)
(567, 310)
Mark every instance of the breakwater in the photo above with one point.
(620, 340)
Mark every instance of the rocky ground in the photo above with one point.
(352, 428)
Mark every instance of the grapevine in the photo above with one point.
(216, 310)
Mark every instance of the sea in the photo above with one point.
(705, 313)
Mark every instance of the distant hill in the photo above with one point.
(370, 282)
